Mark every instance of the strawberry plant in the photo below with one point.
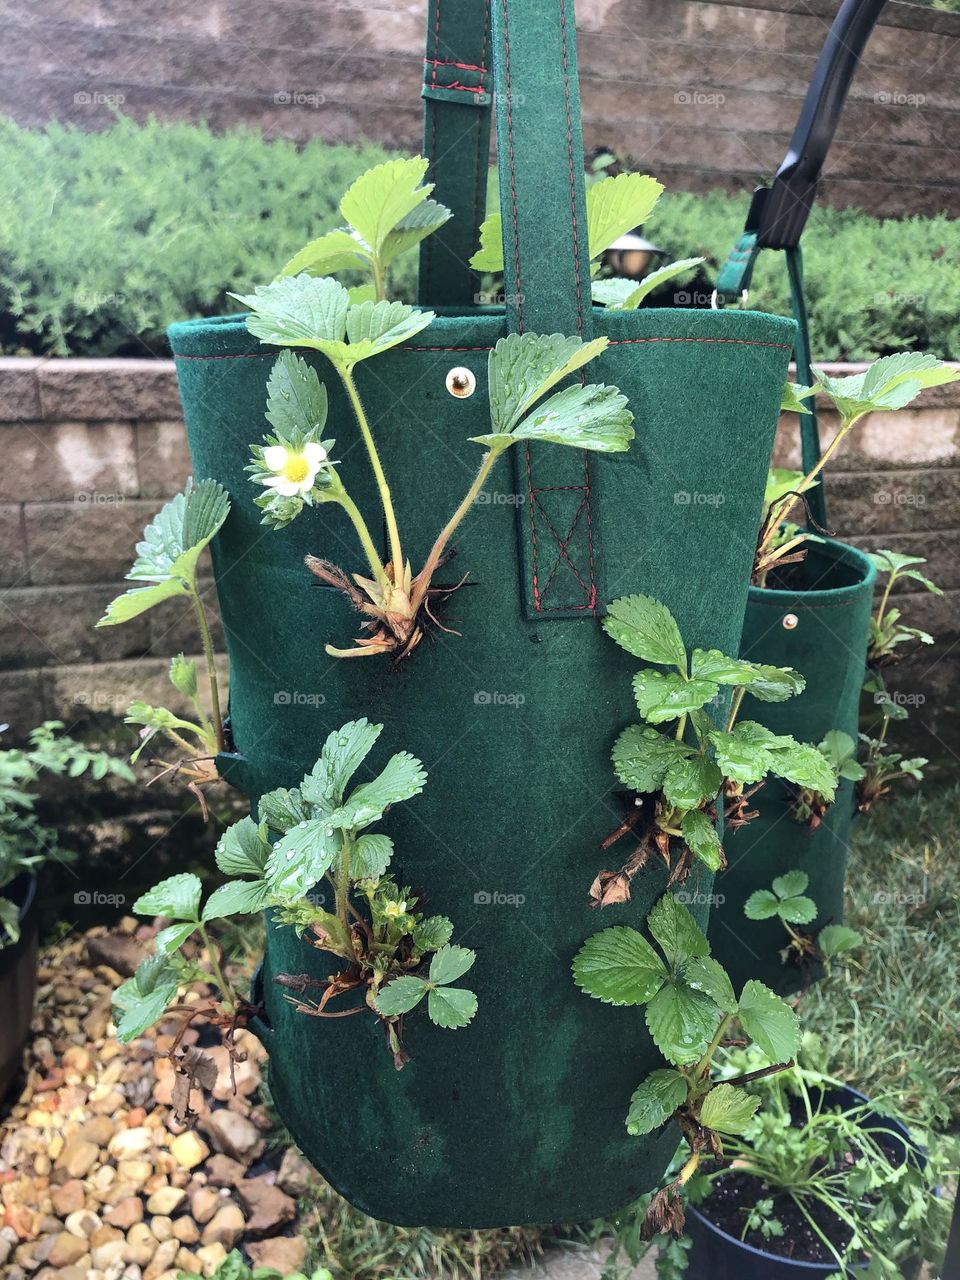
(787, 900)
(888, 632)
(691, 1012)
(166, 563)
(809, 805)
(882, 766)
(317, 834)
(681, 769)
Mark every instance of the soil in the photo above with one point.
(736, 1193)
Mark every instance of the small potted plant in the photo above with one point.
(822, 1182)
(25, 845)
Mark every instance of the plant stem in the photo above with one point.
(689, 1169)
(445, 534)
(363, 533)
(211, 667)
(393, 533)
(343, 885)
(226, 990)
(182, 743)
(703, 1066)
(379, 279)
(885, 599)
(735, 704)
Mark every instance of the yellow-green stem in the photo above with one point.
(735, 704)
(363, 533)
(446, 533)
(885, 599)
(226, 991)
(211, 667)
(703, 1066)
(393, 533)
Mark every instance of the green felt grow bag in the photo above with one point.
(520, 1116)
(821, 630)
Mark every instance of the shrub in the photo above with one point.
(107, 237)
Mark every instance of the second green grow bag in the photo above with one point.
(518, 1118)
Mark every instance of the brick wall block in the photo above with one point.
(13, 547)
(83, 541)
(55, 626)
(68, 461)
(163, 458)
(19, 388)
(107, 390)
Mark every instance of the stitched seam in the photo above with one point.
(563, 552)
(512, 165)
(614, 342)
(475, 216)
(461, 66)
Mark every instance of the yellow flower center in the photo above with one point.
(394, 909)
(296, 468)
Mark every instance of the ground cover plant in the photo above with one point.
(63, 246)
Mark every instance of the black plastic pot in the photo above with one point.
(18, 980)
(715, 1255)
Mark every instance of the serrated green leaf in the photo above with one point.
(655, 1100)
(489, 257)
(619, 966)
(682, 1022)
(774, 684)
(761, 905)
(401, 995)
(296, 398)
(183, 675)
(239, 898)
(370, 857)
(177, 897)
(451, 963)
(747, 753)
(522, 368)
(728, 1109)
(791, 883)
(769, 1022)
(173, 937)
(689, 782)
(139, 599)
(335, 251)
(648, 630)
(300, 859)
(664, 696)
(402, 778)
(674, 928)
(141, 1013)
(375, 327)
(241, 850)
(342, 754)
(792, 401)
(700, 837)
(641, 757)
(282, 809)
(593, 417)
(300, 311)
(451, 1007)
(431, 934)
(705, 974)
(629, 299)
(618, 205)
(383, 197)
(806, 766)
(836, 938)
(798, 909)
(428, 217)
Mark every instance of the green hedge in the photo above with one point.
(106, 237)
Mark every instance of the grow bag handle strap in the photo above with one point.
(457, 92)
(546, 284)
(779, 213)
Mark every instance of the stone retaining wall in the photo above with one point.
(704, 94)
(92, 448)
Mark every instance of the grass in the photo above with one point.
(892, 1018)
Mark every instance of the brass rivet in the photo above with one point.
(790, 621)
(460, 382)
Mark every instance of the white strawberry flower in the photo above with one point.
(294, 470)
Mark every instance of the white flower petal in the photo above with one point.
(275, 456)
(286, 488)
(315, 454)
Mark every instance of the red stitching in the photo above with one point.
(533, 529)
(513, 168)
(476, 89)
(475, 214)
(449, 62)
(436, 41)
(614, 342)
(573, 193)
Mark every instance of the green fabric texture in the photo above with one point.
(828, 646)
(457, 92)
(519, 1117)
